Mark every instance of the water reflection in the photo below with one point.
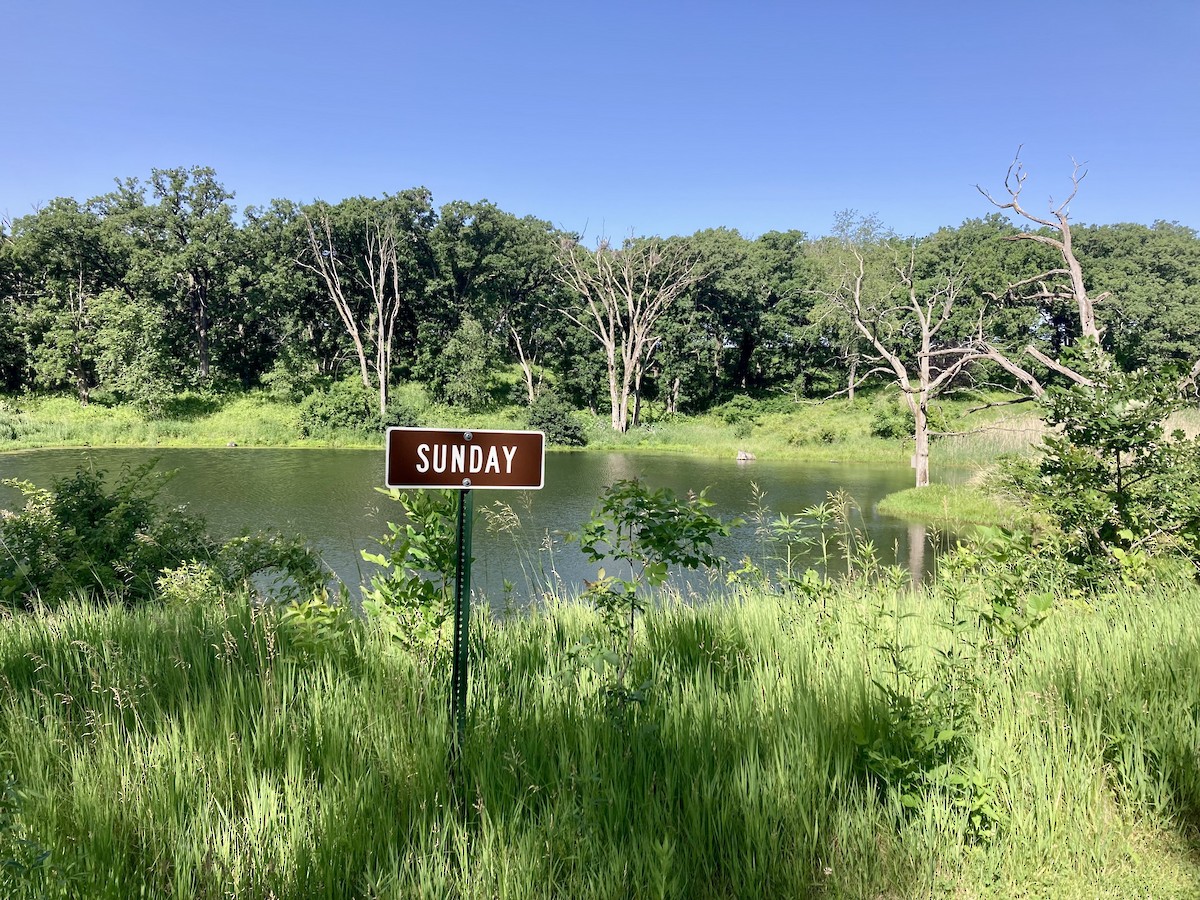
(917, 547)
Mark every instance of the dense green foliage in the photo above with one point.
(82, 537)
(160, 286)
(1118, 488)
(113, 542)
(411, 596)
(344, 405)
(550, 414)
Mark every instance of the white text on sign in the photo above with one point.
(457, 459)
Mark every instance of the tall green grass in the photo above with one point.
(210, 750)
(979, 441)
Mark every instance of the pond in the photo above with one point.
(329, 497)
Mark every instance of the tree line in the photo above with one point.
(161, 285)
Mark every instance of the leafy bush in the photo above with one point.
(401, 411)
(741, 412)
(192, 583)
(551, 414)
(411, 597)
(1117, 486)
(644, 532)
(891, 420)
(317, 629)
(344, 404)
(463, 370)
(117, 543)
(293, 375)
(80, 537)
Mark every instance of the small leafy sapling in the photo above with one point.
(1112, 479)
(644, 532)
(411, 597)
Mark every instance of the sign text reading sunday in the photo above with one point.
(463, 459)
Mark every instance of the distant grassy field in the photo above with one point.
(209, 749)
(776, 429)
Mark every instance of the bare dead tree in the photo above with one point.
(623, 294)
(1061, 284)
(886, 320)
(377, 274)
(526, 360)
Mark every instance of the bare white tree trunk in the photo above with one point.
(1050, 284)
(623, 294)
(377, 275)
(526, 365)
(882, 320)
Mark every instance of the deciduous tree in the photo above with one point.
(372, 258)
(623, 294)
(905, 325)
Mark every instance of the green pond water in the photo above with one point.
(329, 497)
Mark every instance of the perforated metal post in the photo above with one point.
(462, 621)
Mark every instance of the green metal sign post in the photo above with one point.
(462, 621)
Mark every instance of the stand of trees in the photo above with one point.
(161, 285)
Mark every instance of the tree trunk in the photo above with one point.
(202, 327)
(853, 378)
(614, 398)
(921, 454)
(81, 380)
(526, 365)
(621, 413)
(637, 406)
(673, 397)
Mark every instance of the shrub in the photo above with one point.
(463, 369)
(401, 411)
(642, 532)
(411, 597)
(891, 420)
(80, 537)
(293, 375)
(1118, 487)
(119, 544)
(344, 405)
(550, 413)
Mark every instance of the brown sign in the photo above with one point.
(454, 458)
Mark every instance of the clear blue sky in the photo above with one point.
(651, 117)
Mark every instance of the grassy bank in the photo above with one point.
(776, 428)
(209, 749)
(954, 506)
